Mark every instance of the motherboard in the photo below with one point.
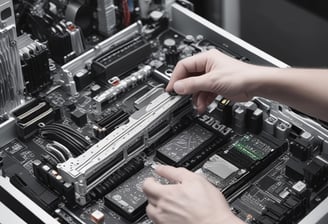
(85, 117)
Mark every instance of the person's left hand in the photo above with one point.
(191, 200)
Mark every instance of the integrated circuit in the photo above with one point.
(246, 151)
(184, 145)
(219, 167)
(128, 199)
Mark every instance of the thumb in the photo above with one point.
(175, 175)
(194, 84)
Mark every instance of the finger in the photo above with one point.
(204, 99)
(194, 100)
(187, 67)
(152, 201)
(152, 213)
(195, 84)
(176, 175)
(152, 189)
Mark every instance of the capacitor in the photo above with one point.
(189, 39)
(171, 52)
(156, 15)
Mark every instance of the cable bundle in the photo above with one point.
(71, 139)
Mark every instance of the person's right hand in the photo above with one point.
(209, 74)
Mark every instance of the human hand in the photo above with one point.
(212, 73)
(192, 200)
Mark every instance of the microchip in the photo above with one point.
(219, 167)
(128, 199)
(184, 145)
(266, 182)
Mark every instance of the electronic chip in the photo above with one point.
(219, 167)
(184, 145)
(128, 199)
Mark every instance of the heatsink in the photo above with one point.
(11, 77)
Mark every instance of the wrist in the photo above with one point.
(260, 80)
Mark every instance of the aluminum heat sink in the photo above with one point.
(11, 77)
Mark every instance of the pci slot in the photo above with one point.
(122, 59)
(109, 123)
(135, 146)
(113, 162)
(158, 128)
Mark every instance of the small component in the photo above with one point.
(189, 39)
(219, 167)
(114, 81)
(294, 169)
(265, 183)
(300, 151)
(282, 130)
(284, 194)
(70, 105)
(169, 42)
(315, 174)
(299, 187)
(82, 79)
(184, 145)
(255, 122)
(95, 89)
(172, 55)
(79, 117)
(239, 115)
(76, 37)
(97, 217)
(269, 125)
(156, 15)
(224, 109)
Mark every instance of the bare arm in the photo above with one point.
(302, 89)
(209, 74)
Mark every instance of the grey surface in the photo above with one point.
(286, 31)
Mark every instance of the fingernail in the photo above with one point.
(154, 166)
(178, 87)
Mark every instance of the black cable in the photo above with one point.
(65, 140)
(72, 132)
(77, 141)
(66, 135)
